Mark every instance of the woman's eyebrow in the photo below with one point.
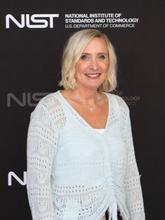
(97, 53)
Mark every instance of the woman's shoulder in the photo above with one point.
(119, 100)
(50, 108)
(49, 100)
(51, 104)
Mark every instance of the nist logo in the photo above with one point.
(31, 21)
(13, 176)
(25, 99)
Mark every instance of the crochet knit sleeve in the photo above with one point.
(41, 148)
(134, 197)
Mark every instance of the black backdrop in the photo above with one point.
(30, 68)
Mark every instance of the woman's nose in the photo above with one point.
(94, 64)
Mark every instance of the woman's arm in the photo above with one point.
(134, 195)
(41, 147)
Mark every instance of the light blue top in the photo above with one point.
(76, 172)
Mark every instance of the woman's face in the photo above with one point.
(92, 67)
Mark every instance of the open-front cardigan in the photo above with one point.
(75, 172)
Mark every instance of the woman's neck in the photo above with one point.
(85, 96)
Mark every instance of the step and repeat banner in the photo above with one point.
(32, 37)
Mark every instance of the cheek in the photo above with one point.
(78, 71)
(105, 66)
(80, 67)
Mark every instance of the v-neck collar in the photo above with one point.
(77, 114)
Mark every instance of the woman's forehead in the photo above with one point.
(97, 44)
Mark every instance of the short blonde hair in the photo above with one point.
(72, 53)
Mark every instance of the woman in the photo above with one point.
(80, 156)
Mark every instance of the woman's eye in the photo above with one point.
(84, 57)
(88, 57)
(102, 56)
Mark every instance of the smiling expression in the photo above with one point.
(92, 67)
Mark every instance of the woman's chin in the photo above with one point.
(91, 86)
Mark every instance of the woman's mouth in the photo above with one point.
(93, 75)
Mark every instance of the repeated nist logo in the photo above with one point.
(24, 99)
(13, 177)
(31, 21)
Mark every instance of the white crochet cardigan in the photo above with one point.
(75, 172)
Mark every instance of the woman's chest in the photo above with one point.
(95, 118)
(95, 115)
(82, 143)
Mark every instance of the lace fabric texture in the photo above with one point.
(69, 180)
